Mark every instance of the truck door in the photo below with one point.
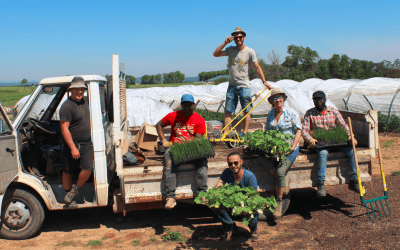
(8, 153)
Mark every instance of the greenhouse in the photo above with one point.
(152, 104)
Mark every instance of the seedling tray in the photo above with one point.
(322, 145)
(192, 151)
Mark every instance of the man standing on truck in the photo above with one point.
(236, 175)
(241, 59)
(185, 125)
(325, 117)
(77, 147)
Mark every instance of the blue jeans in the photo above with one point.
(323, 156)
(170, 170)
(227, 221)
(232, 96)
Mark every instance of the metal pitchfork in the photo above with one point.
(362, 189)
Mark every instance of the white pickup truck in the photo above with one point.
(32, 140)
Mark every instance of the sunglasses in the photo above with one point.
(231, 163)
(238, 38)
(276, 98)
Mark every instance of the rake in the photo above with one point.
(362, 189)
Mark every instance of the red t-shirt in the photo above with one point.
(182, 126)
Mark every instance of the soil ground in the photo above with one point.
(338, 221)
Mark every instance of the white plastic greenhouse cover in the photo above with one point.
(151, 104)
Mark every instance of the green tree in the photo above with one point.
(24, 81)
(301, 62)
(130, 79)
(146, 79)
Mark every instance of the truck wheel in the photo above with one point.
(22, 215)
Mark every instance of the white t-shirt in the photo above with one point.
(240, 64)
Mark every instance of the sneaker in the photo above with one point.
(287, 186)
(278, 210)
(321, 189)
(170, 204)
(254, 235)
(72, 194)
(353, 185)
(73, 205)
(227, 235)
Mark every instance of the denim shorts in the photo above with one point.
(232, 96)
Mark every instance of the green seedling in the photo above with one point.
(192, 149)
(240, 200)
(395, 173)
(104, 238)
(135, 243)
(273, 143)
(152, 239)
(334, 135)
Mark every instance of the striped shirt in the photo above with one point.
(314, 119)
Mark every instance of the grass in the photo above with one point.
(174, 236)
(94, 243)
(135, 243)
(332, 135)
(389, 143)
(66, 243)
(9, 96)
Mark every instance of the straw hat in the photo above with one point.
(77, 82)
(238, 30)
(276, 91)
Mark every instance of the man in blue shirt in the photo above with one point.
(236, 175)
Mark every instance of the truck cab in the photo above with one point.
(30, 147)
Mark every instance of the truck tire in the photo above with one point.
(22, 214)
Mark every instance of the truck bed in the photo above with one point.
(144, 187)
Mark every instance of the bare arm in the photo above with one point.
(68, 139)
(218, 51)
(296, 139)
(220, 183)
(260, 74)
(160, 131)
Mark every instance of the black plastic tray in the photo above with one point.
(188, 160)
(322, 145)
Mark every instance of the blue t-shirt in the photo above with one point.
(248, 179)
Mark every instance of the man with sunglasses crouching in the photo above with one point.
(241, 59)
(236, 175)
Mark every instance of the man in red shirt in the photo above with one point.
(185, 125)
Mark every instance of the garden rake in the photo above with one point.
(362, 189)
(223, 138)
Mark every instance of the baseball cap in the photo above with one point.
(318, 94)
(187, 98)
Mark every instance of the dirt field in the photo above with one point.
(338, 221)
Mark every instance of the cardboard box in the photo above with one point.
(147, 136)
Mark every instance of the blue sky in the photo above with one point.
(52, 38)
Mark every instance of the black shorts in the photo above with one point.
(86, 161)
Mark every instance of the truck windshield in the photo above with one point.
(42, 103)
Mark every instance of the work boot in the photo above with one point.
(353, 185)
(278, 210)
(227, 235)
(287, 186)
(72, 194)
(321, 189)
(170, 204)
